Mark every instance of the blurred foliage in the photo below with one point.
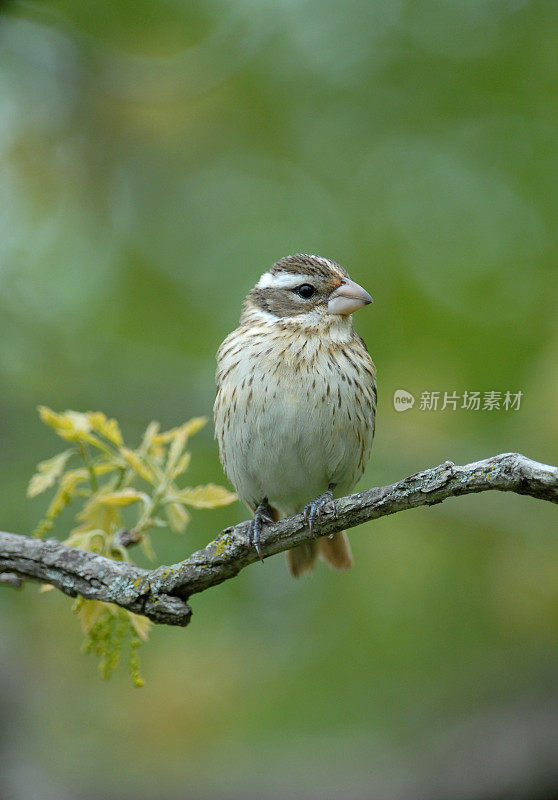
(104, 486)
(156, 159)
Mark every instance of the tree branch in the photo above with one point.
(161, 594)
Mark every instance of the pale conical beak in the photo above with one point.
(348, 298)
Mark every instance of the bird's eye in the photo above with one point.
(305, 291)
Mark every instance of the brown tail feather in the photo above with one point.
(336, 551)
(301, 559)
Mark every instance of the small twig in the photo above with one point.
(126, 538)
(11, 579)
(161, 594)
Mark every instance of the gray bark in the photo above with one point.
(161, 594)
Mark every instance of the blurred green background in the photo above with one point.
(156, 158)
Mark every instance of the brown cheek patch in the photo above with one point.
(281, 302)
(259, 298)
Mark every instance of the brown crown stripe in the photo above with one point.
(304, 264)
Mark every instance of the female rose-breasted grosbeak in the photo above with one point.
(296, 399)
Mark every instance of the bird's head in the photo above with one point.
(308, 289)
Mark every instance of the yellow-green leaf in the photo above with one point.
(94, 541)
(137, 464)
(208, 496)
(105, 427)
(141, 625)
(194, 425)
(104, 467)
(145, 544)
(177, 516)
(175, 450)
(90, 612)
(189, 428)
(47, 472)
(150, 432)
(66, 491)
(121, 498)
(98, 516)
(148, 444)
(178, 438)
(75, 426)
(56, 421)
(119, 550)
(182, 465)
(70, 425)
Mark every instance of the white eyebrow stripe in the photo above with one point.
(281, 280)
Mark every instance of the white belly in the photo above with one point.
(289, 432)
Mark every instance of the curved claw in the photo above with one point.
(254, 536)
(314, 510)
(262, 516)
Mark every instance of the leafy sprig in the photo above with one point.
(123, 494)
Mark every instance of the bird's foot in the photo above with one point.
(262, 516)
(314, 510)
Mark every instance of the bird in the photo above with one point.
(296, 401)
